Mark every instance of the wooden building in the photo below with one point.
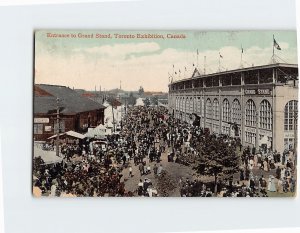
(76, 112)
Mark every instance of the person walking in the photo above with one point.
(130, 171)
(159, 170)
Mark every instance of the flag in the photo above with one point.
(220, 55)
(276, 45)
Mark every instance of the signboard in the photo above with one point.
(258, 92)
(288, 135)
(266, 133)
(225, 124)
(41, 120)
(251, 130)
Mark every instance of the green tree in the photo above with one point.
(154, 100)
(131, 99)
(147, 102)
(216, 158)
(141, 91)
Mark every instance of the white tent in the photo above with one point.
(48, 156)
(101, 127)
(99, 132)
(75, 134)
(109, 125)
(70, 133)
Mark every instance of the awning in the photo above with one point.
(69, 133)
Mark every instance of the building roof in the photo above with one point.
(70, 101)
(70, 133)
(194, 76)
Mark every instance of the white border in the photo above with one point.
(25, 214)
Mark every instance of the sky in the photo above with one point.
(89, 63)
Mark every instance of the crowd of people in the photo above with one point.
(147, 134)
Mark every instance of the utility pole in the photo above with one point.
(57, 127)
(295, 134)
(112, 109)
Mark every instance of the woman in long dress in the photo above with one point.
(280, 186)
(269, 183)
(282, 172)
(255, 160)
(266, 168)
(272, 186)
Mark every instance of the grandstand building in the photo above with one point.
(257, 104)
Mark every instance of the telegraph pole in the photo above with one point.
(57, 126)
(112, 109)
(295, 134)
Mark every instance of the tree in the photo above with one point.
(154, 100)
(131, 99)
(141, 91)
(147, 102)
(215, 158)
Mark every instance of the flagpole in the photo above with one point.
(273, 49)
(204, 68)
(173, 70)
(219, 62)
(241, 63)
(197, 58)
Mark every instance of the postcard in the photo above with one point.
(165, 113)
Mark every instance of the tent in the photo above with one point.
(109, 125)
(49, 157)
(69, 133)
(98, 132)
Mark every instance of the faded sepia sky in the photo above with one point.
(86, 63)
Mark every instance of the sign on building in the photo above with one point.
(41, 120)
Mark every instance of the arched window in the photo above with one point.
(290, 115)
(208, 109)
(191, 109)
(216, 113)
(187, 105)
(250, 113)
(226, 110)
(181, 104)
(198, 105)
(236, 111)
(265, 115)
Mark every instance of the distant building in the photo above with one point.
(163, 102)
(76, 112)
